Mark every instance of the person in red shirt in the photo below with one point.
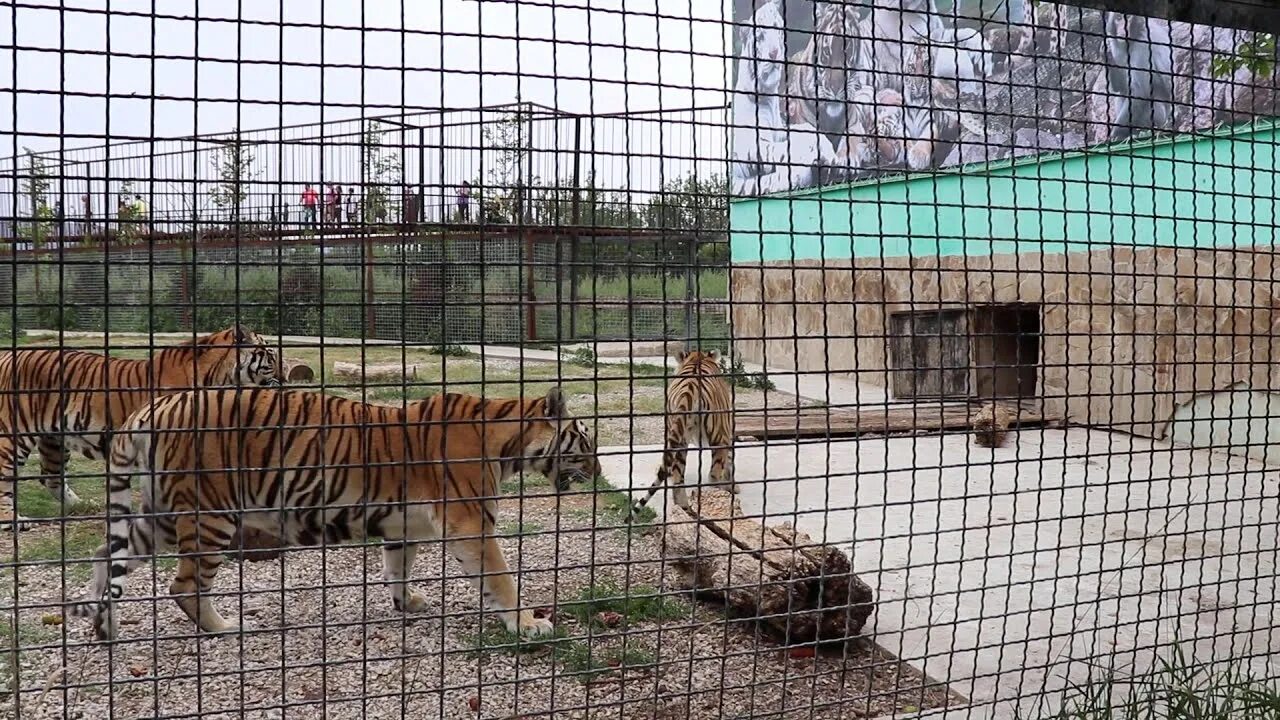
(309, 199)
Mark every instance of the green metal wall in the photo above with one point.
(1211, 190)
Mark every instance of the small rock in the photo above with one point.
(137, 670)
(473, 702)
(609, 618)
(51, 619)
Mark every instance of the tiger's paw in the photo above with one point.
(531, 626)
(11, 520)
(69, 497)
(417, 603)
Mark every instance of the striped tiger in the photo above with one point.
(699, 407)
(60, 400)
(343, 469)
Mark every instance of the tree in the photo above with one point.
(690, 204)
(233, 163)
(1258, 54)
(36, 188)
(128, 215)
(507, 147)
(380, 170)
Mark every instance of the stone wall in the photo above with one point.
(1127, 334)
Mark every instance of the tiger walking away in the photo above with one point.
(58, 400)
(345, 470)
(699, 408)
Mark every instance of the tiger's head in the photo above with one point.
(703, 362)
(566, 451)
(253, 361)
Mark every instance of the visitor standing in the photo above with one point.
(464, 201)
(309, 199)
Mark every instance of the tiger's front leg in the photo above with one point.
(486, 567)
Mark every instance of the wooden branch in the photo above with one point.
(800, 590)
(383, 372)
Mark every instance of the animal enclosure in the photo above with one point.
(344, 343)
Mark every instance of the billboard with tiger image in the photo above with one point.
(830, 92)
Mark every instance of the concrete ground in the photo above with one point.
(1013, 572)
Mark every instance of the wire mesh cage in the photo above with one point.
(666, 359)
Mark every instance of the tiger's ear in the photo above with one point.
(557, 407)
(242, 335)
(713, 354)
(681, 355)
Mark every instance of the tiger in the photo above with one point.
(59, 400)
(311, 468)
(699, 407)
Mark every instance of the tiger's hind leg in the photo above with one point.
(53, 458)
(674, 458)
(201, 542)
(722, 465)
(13, 454)
(397, 562)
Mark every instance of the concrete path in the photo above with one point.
(1016, 571)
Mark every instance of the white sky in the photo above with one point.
(85, 73)
(325, 63)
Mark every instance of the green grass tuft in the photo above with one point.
(497, 639)
(583, 357)
(613, 506)
(635, 604)
(513, 529)
(735, 373)
(1176, 689)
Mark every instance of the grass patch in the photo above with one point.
(498, 639)
(451, 351)
(1176, 689)
(613, 506)
(586, 663)
(578, 659)
(73, 548)
(634, 604)
(514, 529)
(522, 482)
(85, 477)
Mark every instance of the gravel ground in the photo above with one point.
(325, 642)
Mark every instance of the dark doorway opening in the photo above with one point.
(1006, 350)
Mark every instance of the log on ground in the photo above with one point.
(380, 372)
(296, 371)
(801, 590)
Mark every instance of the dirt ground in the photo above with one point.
(324, 640)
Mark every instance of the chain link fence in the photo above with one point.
(779, 359)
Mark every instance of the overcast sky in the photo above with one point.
(88, 72)
(138, 69)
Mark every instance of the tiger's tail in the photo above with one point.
(673, 460)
